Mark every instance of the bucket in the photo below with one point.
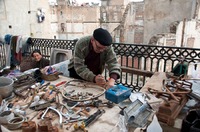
(6, 87)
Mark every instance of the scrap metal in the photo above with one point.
(174, 96)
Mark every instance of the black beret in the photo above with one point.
(102, 36)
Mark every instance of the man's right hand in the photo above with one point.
(99, 79)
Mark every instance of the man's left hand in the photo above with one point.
(110, 83)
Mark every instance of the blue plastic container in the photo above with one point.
(117, 93)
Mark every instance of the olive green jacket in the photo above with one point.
(108, 57)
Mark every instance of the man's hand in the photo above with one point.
(100, 80)
(110, 83)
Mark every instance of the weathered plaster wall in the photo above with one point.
(78, 21)
(111, 17)
(15, 13)
(113, 2)
(160, 13)
(134, 26)
(191, 36)
(198, 10)
(61, 22)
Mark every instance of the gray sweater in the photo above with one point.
(106, 57)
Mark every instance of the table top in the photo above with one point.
(106, 122)
(109, 120)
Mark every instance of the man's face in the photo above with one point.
(98, 48)
(37, 56)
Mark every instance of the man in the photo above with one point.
(90, 56)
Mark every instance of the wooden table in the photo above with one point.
(107, 122)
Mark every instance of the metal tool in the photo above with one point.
(69, 109)
(41, 106)
(97, 103)
(43, 87)
(72, 116)
(61, 83)
(60, 121)
(89, 120)
(136, 114)
(75, 120)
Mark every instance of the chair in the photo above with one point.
(59, 60)
(59, 55)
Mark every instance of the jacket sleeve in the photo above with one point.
(112, 62)
(81, 50)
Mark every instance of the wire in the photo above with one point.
(5, 9)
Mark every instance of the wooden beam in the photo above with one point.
(137, 71)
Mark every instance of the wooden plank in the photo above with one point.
(137, 71)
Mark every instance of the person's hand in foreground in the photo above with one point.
(100, 80)
(110, 83)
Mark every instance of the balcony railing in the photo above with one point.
(148, 58)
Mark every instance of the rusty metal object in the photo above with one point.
(23, 83)
(35, 115)
(45, 125)
(20, 93)
(33, 91)
(161, 93)
(174, 96)
(53, 129)
(49, 95)
(24, 80)
(15, 123)
(43, 87)
(28, 126)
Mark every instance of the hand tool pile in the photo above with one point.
(41, 105)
